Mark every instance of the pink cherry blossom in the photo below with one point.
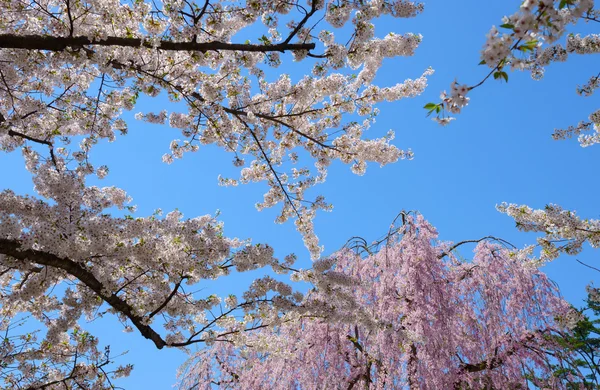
(409, 316)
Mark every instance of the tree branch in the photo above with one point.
(271, 168)
(166, 302)
(587, 265)
(13, 249)
(301, 24)
(52, 43)
(13, 133)
(453, 247)
(494, 362)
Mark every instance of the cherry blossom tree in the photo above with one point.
(540, 33)
(68, 71)
(411, 315)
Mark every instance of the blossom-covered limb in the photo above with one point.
(529, 42)
(564, 232)
(12, 248)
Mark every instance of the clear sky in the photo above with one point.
(499, 149)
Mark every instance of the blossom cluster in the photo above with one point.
(73, 360)
(581, 128)
(563, 231)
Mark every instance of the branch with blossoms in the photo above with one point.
(537, 22)
(580, 129)
(120, 301)
(563, 231)
(13, 133)
(545, 346)
(12, 248)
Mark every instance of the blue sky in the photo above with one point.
(499, 149)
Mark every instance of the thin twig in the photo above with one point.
(587, 265)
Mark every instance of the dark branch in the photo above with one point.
(453, 247)
(268, 161)
(301, 24)
(166, 302)
(13, 133)
(587, 265)
(494, 362)
(13, 249)
(51, 43)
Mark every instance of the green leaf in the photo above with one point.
(482, 62)
(507, 25)
(528, 46)
(264, 40)
(431, 107)
(501, 74)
